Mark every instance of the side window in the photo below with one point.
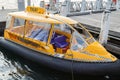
(18, 22)
(63, 27)
(8, 21)
(39, 31)
(18, 26)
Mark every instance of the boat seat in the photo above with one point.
(35, 33)
(54, 35)
(45, 38)
(42, 36)
(60, 41)
(80, 41)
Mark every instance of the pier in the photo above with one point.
(93, 23)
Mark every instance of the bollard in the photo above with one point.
(83, 6)
(105, 24)
(77, 6)
(3, 8)
(21, 5)
(65, 8)
(57, 5)
(42, 4)
(68, 2)
(52, 4)
(71, 9)
(98, 5)
(91, 6)
(109, 4)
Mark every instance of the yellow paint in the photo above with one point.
(59, 50)
(97, 48)
(81, 56)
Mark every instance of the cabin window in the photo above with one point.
(63, 28)
(17, 26)
(78, 43)
(19, 22)
(8, 21)
(84, 33)
(38, 31)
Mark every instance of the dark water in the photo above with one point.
(13, 67)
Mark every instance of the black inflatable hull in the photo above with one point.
(82, 68)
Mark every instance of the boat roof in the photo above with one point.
(47, 18)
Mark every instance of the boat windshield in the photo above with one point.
(81, 38)
(84, 33)
(78, 42)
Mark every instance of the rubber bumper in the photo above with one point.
(84, 68)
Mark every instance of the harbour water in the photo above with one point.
(13, 67)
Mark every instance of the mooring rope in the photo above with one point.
(72, 68)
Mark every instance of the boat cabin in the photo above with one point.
(54, 35)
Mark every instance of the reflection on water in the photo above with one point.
(13, 67)
(10, 70)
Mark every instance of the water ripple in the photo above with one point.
(12, 70)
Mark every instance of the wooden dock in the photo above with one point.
(93, 22)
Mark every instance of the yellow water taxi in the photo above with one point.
(57, 42)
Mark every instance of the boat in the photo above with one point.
(57, 42)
